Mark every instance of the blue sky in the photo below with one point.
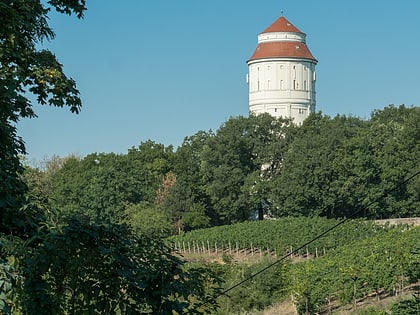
(163, 70)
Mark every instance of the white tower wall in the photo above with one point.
(282, 88)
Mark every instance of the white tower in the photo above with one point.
(281, 74)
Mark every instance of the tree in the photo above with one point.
(238, 162)
(101, 186)
(108, 269)
(74, 266)
(375, 159)
(26, 69)
(150, 162)
(95, 187)
(146, 219)
(396, 150)
(186, 203)
(309, 182)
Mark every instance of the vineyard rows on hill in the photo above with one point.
(380, 265)
(280, 236)
(363, 260)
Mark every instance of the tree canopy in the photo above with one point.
(65, 246)
(253, 167)
(26, 69)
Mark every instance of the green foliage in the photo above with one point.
(187, 203)
(107, 269)
(372, 311)
(25, 70)
(328, 167)
(100, 186)
(283, 234)
(76, 267)
(252, 167)
(382, 262)
(10, 276)
(361, 259)
(195, 218)
(232, 161)
(306, 183)
(255, 294)
(147, 220)
(407, 307)
(335, 166)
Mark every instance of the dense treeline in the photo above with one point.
(250, 166)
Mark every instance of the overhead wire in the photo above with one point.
(366, 207)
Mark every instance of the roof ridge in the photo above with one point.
(281, 25)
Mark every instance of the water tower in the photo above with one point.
(281, 73)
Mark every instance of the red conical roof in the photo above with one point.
(282, 48)
(282, 25)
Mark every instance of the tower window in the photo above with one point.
(305, 85)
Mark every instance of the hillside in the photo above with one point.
(358, 265)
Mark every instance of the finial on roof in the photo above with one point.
(281, 12)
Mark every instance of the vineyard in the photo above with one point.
(384, 264)
(358, 259)
(278, 237)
